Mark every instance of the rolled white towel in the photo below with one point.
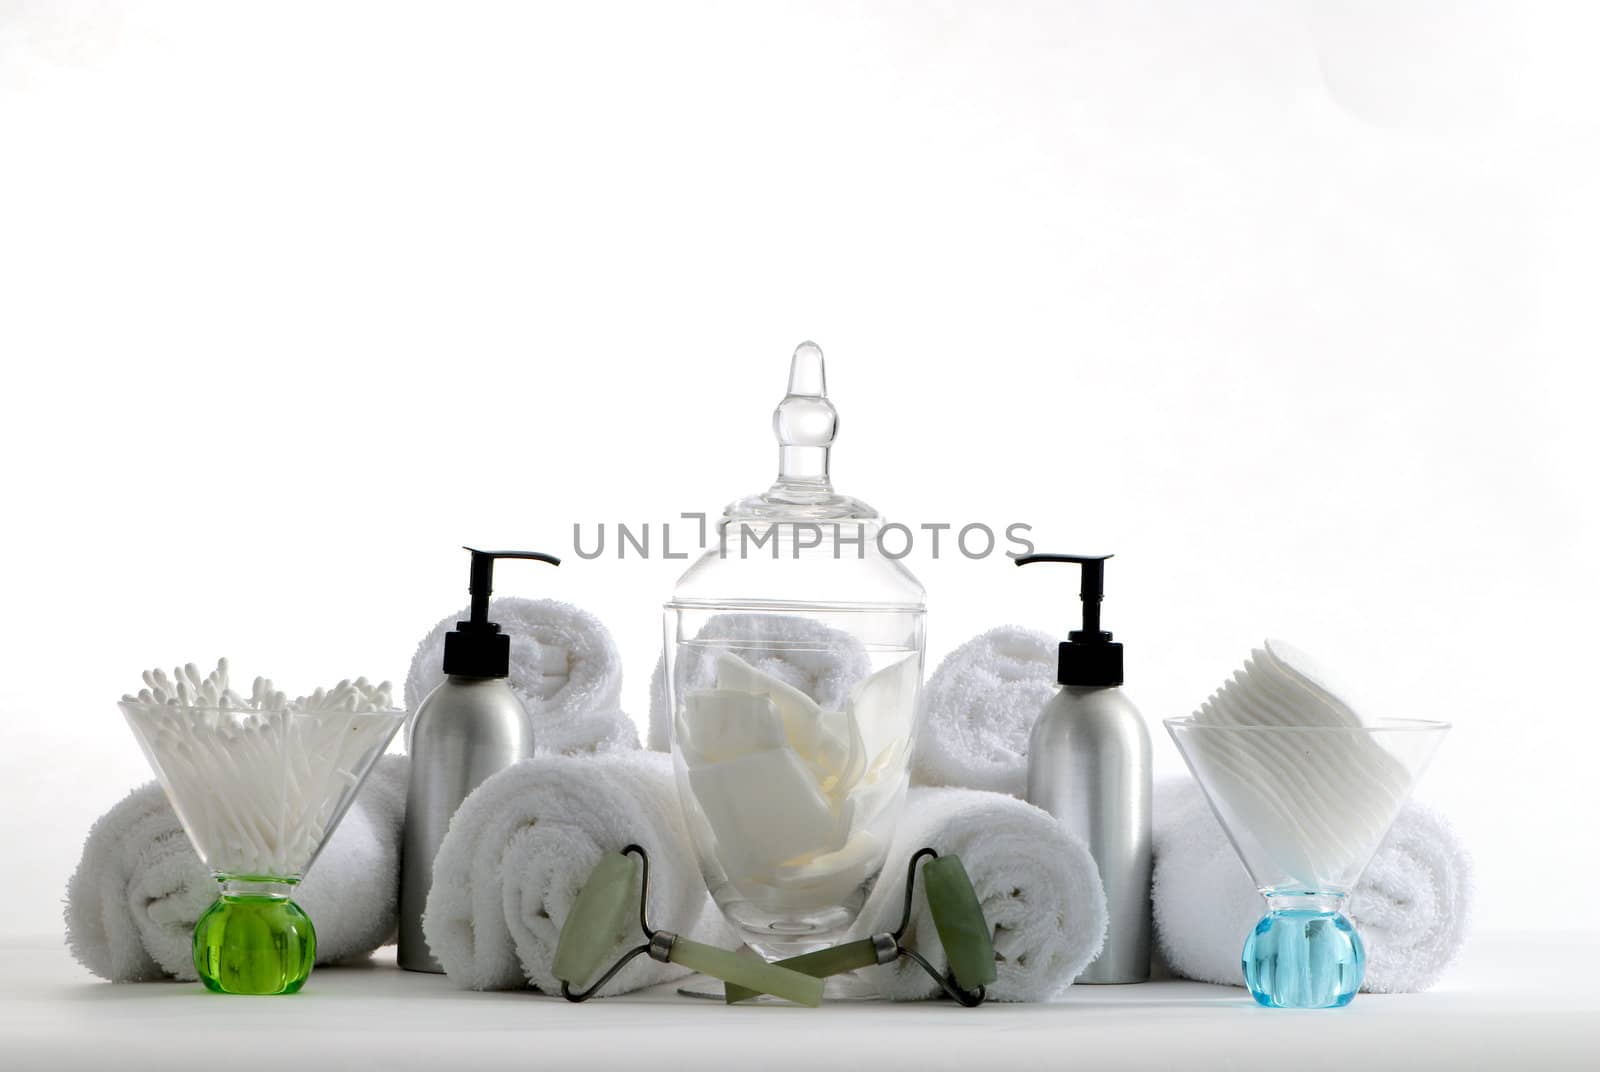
(520, 849)
(565, 669)
(822, 662)
(1412, 906)
(133, 901)
(1038, 885)
(979, 707)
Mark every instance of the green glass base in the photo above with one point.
(254, 940)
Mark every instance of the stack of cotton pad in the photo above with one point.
(1317, 802)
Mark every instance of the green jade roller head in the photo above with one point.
(957, 916)
(600, 913)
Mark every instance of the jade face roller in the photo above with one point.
(600, 914)
(958, 917)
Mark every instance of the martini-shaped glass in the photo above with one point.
(258, 792)
(1305, 808)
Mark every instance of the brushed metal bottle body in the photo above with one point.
(467, 729)
(1089, 766)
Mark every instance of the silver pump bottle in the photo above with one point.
(470, 727)
(1089, 766)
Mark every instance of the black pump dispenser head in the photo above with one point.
(1088, 657)
(477, 647)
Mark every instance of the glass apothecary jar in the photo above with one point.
(794, 651)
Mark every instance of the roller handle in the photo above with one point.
(750, 972)
(820, 965)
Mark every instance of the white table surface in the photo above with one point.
(1528, 1003)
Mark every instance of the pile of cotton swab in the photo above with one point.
(186, 688)
(259, 782)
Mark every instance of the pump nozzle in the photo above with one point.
(476, 647)
(1087, 657)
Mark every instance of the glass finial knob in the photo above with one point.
(806, 374)
(805, 422)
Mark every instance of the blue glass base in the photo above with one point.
(1304, 956)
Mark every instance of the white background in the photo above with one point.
(1290, 306)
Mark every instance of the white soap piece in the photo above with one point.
(846, 753)
(764, 810)
(831, 877)
(723, 724)
(883, 702)
(878, 792)
(802, 717)
(840, 756)
(884, 760)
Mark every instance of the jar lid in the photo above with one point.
(805, 423)
(800, 545)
